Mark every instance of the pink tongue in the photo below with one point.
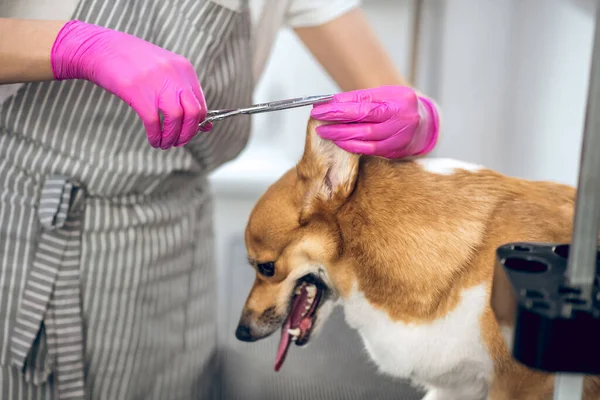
(284, 344)
(294, 319)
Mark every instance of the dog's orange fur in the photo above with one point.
(409, 239)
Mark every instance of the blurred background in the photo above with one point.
(511, 80)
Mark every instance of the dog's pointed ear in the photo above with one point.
(328, 174)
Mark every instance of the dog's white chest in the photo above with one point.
(445, 351)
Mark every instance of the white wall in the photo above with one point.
(475, 48)
(550, 75)
(513, 84)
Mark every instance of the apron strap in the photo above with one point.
(51, 302)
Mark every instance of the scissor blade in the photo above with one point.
(297, 102)
(217, 115)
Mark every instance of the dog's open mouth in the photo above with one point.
(308, 296)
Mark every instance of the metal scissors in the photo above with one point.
(218, 115)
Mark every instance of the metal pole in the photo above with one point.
(567, 386)
(582, 256)
(416, 42)
(581, 267)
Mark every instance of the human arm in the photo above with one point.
(379, 114)
(25, 47)
(151, 80)
(349, 50)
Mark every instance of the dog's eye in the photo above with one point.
(266, 269)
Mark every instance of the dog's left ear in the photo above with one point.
(327, 172)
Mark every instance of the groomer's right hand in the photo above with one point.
(145, 76)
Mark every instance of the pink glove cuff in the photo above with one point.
(434, 128)
(60, 54)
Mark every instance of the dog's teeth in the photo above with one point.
(305, 311)
(311, 290)
(298, 290)
(309, 302)
(294, 332)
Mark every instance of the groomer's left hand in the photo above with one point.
(388, 121)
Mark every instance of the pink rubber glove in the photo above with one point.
(388, 121)
(145, 76)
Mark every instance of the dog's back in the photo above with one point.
(443, 221)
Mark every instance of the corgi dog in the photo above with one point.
(408, 249)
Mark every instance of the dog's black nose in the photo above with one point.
(243, 333)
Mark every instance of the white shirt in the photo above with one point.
(268, 16)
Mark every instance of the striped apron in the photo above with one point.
(106, 244)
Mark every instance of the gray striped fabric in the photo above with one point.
(52, 295)
(106, 245)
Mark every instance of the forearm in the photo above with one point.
(351, 53)
(25, 47)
